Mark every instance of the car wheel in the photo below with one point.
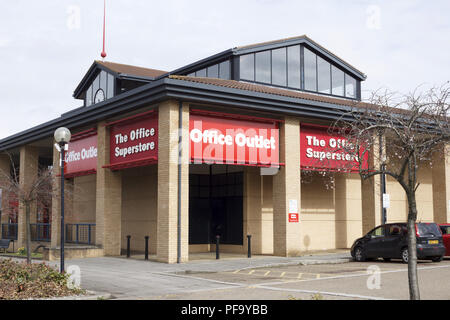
(437, 259)
(359, 254)
(404, 255)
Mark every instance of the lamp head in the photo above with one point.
(62, 135)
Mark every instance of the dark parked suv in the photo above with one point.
(389, 241)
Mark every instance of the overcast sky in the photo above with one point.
(47, 46)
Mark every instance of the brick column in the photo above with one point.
(108, 210)
(252, 209)
(348, 209)
(5, 167)
(286, 188)
(371, 193)
(56, 202)
(441, 185)
(167, 218)
(28, 171)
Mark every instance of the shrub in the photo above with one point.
(19, 280)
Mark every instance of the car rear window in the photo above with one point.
(445, 229)
(425, 229)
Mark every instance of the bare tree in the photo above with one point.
(40, 189)
(414, 127)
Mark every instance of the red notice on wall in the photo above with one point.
(225, 140)
(81, 158)
(134, 142)
(293, 217)
(321, 150)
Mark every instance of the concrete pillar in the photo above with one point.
(348, 209)
(252, 209)
(286, 191)
(108, 209)
(5, 167)
(28, 172)
(167, 218)
(441, 185)
(371, 193)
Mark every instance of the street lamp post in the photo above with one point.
(62, 138)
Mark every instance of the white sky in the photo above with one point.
(47, 46)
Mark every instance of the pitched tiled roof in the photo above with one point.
(131, 70)
(270, 90)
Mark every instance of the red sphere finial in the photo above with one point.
(103, 54)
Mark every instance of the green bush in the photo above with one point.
(19, 280)
(22, 251)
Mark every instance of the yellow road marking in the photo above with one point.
(282, 274)
(237, 271)
(318, 276)
(299, 275)
(251, 272)
(265, 274)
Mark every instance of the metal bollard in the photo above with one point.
(249, 242)
(217, 247)
(146, 247)
(128, 246)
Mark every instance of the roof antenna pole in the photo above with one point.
(103, 54)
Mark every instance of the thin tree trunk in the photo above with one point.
(28, 228)
(413, 280)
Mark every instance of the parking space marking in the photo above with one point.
(265, 274)
(282, 274)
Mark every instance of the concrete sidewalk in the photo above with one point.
(135, 278)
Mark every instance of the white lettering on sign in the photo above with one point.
(134, 135)
(240, 139)
(329, 155)
(84, 154)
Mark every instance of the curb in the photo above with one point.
(91, 295)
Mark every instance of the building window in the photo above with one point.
(293, 56)
(110, 90)
(323, 76)
(89, 96)
(279, 67)
(201, 73)
(262, 65)
(310, 61)
(337, 78)
(213, 71)
(247, 67)
(224, 70)
(350, 86)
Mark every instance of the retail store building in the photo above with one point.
(213, 148)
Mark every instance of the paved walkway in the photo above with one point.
(135, 278)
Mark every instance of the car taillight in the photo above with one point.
(417, 231)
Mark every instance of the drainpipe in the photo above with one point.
(383, 179)
(180, 149)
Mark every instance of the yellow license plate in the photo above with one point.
(433, 241)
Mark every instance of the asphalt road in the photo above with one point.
(316, 277)
(352, 280)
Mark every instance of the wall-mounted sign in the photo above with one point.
(226, 140)
(320, 150)
(134, 141)
(386, 201)
(81, 158)
(293, 217)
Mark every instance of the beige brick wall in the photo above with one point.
(441, 185)
(167, 232)
(286, 186)
(28, 172)
(84, 200)
(139, 207)
(5, 166)
(108, 210)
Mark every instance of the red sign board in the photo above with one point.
(293, 217)
(226, 140)
(134, 142)
(81, 158)
(321, 150)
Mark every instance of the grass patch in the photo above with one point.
(19, 280)
(34, 255)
